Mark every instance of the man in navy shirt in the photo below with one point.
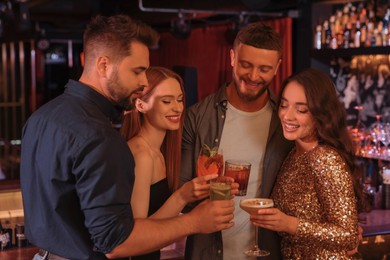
(77, 173)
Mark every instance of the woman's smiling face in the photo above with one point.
(297, 121)
(165, 105)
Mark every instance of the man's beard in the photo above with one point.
(250, 97)
(127, 103)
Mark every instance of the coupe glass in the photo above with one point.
(252, 206)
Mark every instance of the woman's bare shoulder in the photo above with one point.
(139, 149)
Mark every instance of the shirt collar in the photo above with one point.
(112, 111)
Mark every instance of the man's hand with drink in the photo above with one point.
(212, 216)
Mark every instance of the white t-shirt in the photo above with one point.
(244, 137)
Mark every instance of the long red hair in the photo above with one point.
(171, 146)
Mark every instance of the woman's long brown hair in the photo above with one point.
(171, 147)
(329, 116)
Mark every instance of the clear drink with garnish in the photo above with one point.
(220, 188)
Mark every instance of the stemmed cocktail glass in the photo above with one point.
(358, 132)
(252, 206)
(385, 139)
(375, 131)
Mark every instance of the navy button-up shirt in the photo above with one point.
(77, 175)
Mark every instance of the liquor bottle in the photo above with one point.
(339, 20)
(370, 41)
(333, 42)
(378, 34)
(317, 37)
(347, 35)
(363, 16)
(20, 238)
(345, 19)
(357, 37)
(326, 35)
(385, 31)
(363, 37)
(336, 34)
(353, 15)
(5, 238)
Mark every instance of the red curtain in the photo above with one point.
(207, 49)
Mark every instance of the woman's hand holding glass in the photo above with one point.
(199, 188)
(251, 206)
(276, 220)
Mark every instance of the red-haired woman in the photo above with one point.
(153, 130)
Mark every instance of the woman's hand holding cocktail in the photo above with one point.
(276, 220)
(199, 188)
(196, 189)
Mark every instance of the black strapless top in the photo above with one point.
(159, 193)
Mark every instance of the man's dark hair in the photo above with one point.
(114, 34)
(259, 35)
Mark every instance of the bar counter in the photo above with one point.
(172, 252)
(376, 233)
(376, 222)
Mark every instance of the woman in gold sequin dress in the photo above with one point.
(315, 192)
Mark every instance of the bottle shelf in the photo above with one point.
(327, 54)
(385, 159)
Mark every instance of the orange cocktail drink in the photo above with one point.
(210, 161)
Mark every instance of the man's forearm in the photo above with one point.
(152, 234)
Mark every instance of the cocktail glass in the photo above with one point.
(239, 171)
(210, 161)
(358, 132)
(376, 132)
(220, 188)
(252, 206)
(385, 139)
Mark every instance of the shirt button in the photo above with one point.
(216, 140)
(219, 251)
(223, 116)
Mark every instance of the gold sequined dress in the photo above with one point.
(316, 187)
